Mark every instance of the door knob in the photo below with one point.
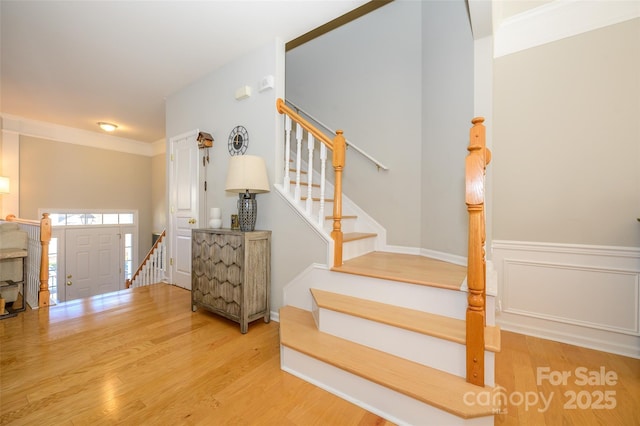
(69, 276)
(192, 221)
(69, 283)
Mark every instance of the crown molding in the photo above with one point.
(558, 20)
(44, 130)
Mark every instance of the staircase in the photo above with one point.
(388, 331)
(390, 341)
(152, 269)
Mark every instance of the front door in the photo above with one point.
(184, 207)
(92, 261)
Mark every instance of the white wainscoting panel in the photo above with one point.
(583, 295)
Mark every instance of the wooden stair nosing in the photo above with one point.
(343, 217)
(295, 171)
(451, 329)
(315, 185)
(326, 200)
(428, 385)
(354, 236)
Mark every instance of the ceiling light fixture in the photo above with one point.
(107, 127)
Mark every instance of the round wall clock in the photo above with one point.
(238, 140)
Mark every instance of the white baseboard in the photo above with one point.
(434, 254)
(583, 295)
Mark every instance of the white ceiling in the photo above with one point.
(75, 63)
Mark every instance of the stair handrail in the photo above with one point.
(152, 250)
(338, 148)
(350, 144)
(43, 228)
(475, 168)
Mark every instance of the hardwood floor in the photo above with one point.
(582, 386)
(142, 357)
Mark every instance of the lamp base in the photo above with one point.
(247, 211)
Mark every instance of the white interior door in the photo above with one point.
(92, 261)
(184, 195)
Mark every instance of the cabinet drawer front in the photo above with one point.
(217, 271)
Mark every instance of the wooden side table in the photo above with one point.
(231, 274)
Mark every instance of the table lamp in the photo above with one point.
(247, 175)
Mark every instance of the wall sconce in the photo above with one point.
(247, 176)
(4, 185)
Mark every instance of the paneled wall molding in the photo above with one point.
(564, 315)
(44, 130)
(590, 250)
(557, 20)
(579, 294)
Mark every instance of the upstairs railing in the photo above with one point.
(305, 130)
(37, 261)
(475, 166)
(153, 268)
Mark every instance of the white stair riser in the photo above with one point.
(353, 249)
(426, 350)
(387, 403)
(423, 298)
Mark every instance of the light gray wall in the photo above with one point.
(159, 192)
(209, 105)
(447, 110)
(399, 81)
(68, 176)
(365, 78)
(567, 140)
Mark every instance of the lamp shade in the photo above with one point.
(247, 173)
(4, 185)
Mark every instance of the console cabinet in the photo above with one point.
(231, 274)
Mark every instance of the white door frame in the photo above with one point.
(59, 232)
(197, 213)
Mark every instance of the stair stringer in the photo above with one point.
(363, 223)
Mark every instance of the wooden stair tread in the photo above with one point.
(326, 200)
(439, 326)
(353, 236)
(315, 185)
(434, 387)
(295, 171)
(330, 217)
(407, 268)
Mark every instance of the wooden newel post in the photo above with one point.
(475, 165)
(339, 154)
(45, 237)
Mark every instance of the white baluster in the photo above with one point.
(154, 267)
(323, 167)
(163, 260)
(287, 154)
(310, 146)
(299, 132)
